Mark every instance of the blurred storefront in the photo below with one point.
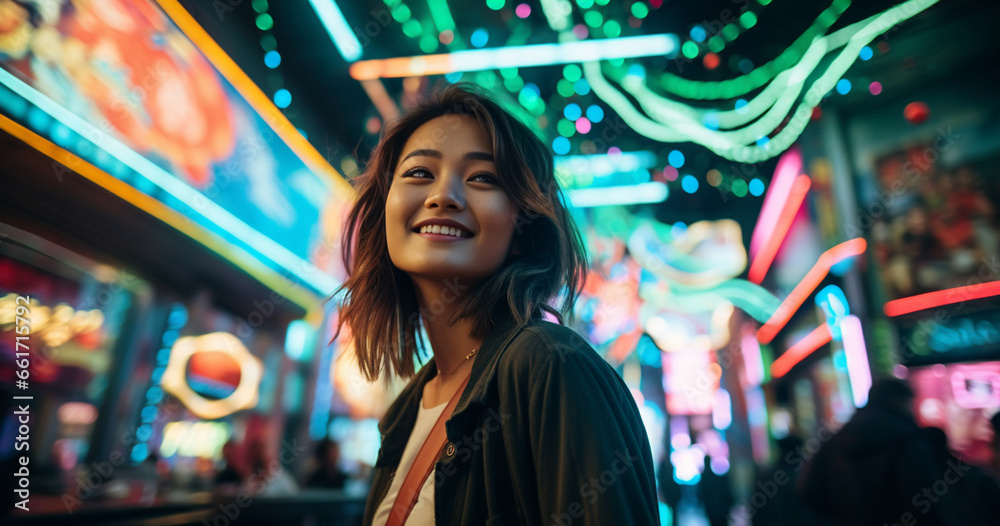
(904, 157)
(173, 235)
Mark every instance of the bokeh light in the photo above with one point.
(479, 38)
(689, 184)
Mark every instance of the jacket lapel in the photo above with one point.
(397, 424)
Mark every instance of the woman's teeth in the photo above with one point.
(446, 230)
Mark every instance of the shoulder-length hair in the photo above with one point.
(379, 302)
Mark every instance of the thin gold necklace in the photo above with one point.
(467, 356)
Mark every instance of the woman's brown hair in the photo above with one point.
(379, 303)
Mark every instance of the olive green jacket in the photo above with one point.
(545, 433)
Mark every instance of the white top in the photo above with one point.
(423, 510)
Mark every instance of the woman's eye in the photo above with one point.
(419, 173)
(485, 177)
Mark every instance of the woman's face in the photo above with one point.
(446, 171)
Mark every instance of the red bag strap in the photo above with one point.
(423, 465)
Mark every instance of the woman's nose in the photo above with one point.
(447, 191)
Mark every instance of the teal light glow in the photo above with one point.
(675, 158)
(652, 192)
(843, 86)
(595, 113)
(572, 111)
(282, 98)
(272, 59)
(343, 36)
(560, 145)
(479, 38)
(689, 184)
(786, 102)
(564, 53)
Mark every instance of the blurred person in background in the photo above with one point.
(327, 473)
(877, 468)
(268, 477)
(233, 474)
(715, 494)
(460, 230)
(782, 507)
(976, 493)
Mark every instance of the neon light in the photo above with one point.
(940, 298)
(757, 418)
(336, 25)
(819, 337)
(558, 13)
(381, 99)
(858, 369)
(441, 15)
(808, 284)
(789, 166)
(601, 165)
(775, 237)
(299, 340)
(235, 254)
(175, 377)
(180, 190)
(722, 410)
(515, 57)
(675, 122)
(753, 362)
(653, 192)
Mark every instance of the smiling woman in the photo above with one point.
(460, 230)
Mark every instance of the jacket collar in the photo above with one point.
(397, 424)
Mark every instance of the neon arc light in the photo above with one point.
(819, 337)
(940, 298)
(858, 369)
(516, 57)
(776, 235)
(808, 284)
(789, 166)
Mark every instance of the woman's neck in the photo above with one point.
(451, 343)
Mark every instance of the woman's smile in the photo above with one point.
(447, 213)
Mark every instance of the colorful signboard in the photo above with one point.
(119, 84)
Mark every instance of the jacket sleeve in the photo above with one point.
(591, 456)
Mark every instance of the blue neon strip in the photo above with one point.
(653, 192)
(336, 25)
(563, 53)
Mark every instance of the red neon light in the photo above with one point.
(819, 337)
(772, 242)
(808, 284)
(941, 297)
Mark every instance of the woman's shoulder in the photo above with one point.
(543, 344)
